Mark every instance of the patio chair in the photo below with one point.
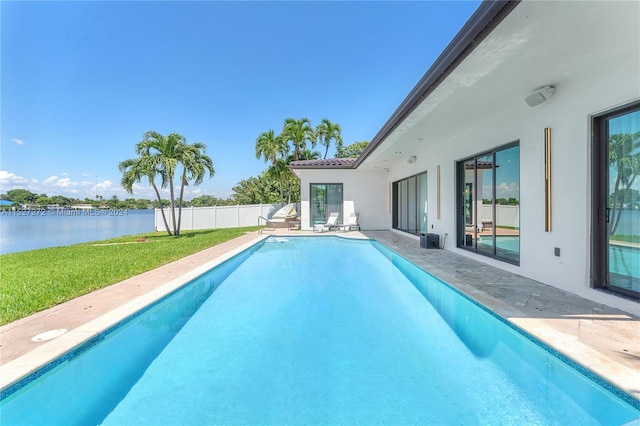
(352, 223)
(331, 223)
(280, 218)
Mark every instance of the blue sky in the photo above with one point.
(82, 81)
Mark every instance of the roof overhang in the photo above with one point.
(488, 15)
(505, 51)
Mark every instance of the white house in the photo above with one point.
(514, 173)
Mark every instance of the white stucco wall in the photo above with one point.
(363, 192)
(568, 115)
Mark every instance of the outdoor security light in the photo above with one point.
(540, 95)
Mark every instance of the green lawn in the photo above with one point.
(39, 279)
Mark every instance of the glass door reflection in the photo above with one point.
(623, 212)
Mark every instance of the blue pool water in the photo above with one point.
(504, 242)
(315, 331)
(624, 260)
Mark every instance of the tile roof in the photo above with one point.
(326, 163)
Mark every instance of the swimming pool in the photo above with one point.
(624, 260)
(315, 330)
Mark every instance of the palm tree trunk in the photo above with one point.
(184, 179)
(173, 205)
(618, 214)
(613, 225)
(164, 218)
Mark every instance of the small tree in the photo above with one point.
(351, 151)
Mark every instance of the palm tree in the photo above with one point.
(161, 155)
(307, 154)
(326, 131)
(298, 132)
(272, 148)
(136, 169)
(166, 151)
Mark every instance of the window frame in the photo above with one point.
(326, 201)
(398, 204)
(599, 206)
(461, 184)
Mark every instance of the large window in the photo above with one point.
(616, 201)
(410, 204)
(326, 198)
(489, 203)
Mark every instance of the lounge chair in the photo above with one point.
(280, 218)
(352, 223)
(331, 223)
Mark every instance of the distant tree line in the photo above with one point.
(22, 197)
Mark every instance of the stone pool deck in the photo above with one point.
(601, 338)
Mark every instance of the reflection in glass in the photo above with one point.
(410, 204)
(422, 202)
(403, 213)
(318, 203)
(624, 201)
(469, 210)
(412, 218)
(325, 199)
(484, 219)
(490, 198)
(507, 229)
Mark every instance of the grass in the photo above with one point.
(39, 279)
(625, 238)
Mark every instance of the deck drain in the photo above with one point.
(48, 335)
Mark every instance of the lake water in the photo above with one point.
(30, 230)
(629, 223)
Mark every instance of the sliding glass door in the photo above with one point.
(326, 198)
(616, 210)
(410, 204)
(489, 203)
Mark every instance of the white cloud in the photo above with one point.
(17, 141)
(51, 180)
(505, 190)
(10, 179)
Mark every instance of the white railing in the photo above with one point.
(217, 216)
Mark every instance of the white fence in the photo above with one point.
(505, 215)
(217, 216)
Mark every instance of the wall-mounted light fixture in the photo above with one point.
(438, 192)
(547, 179)
(540, 95)
(412, 159)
